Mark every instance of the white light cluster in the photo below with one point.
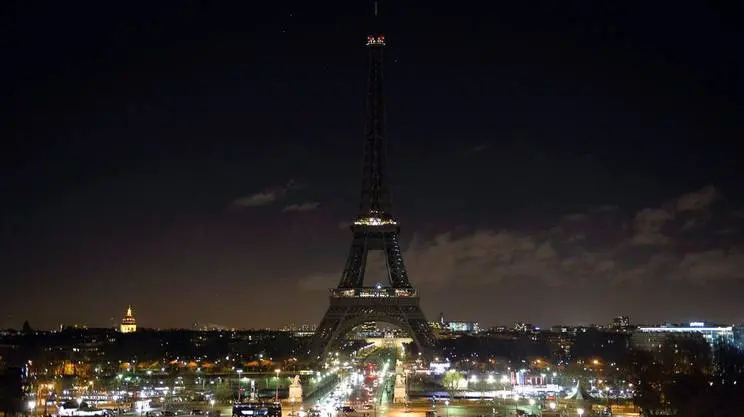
(374, 221)
(373, 292)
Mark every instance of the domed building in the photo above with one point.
(128, 323)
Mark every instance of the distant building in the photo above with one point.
(13, 386)
(463, 326)
(739, 336)
(651, 338)
(305, 330)
(128, 323)
(369, 329)
(524, 327)
(621, 323)
(455, 327)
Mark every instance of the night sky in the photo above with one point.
(552, 162)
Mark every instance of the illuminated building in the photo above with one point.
(128, 323)
(455, 326)
(651, 338)
(739, 337)
(621, 323)
(369, 329)
(463, 326)
(524, 327)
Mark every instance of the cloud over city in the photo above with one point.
(263, 198)
(307, 206)
(678, 240)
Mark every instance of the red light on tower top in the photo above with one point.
(375, 40)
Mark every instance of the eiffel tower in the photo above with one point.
(375, 228)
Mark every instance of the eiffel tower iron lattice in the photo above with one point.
(374, 229)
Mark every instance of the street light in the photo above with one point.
(446, 404)
(580, 411)
(552, 406)
(276, 395)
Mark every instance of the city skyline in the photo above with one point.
(203, 164)
(130, 317)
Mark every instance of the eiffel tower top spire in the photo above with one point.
(375, 206)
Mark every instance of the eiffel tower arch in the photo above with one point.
(374, 229)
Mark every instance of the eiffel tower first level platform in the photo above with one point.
(374, 229)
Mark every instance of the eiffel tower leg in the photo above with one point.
(420, 330)
(410, 326)
(395, 264)
(324, 333)
(356, 263)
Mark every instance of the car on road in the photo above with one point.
(314, 412)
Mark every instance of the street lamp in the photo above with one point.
(552, 406)
(580, 411)
(276, 395)
(446, 404)
(211, 403)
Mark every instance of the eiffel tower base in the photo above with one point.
(345, 313)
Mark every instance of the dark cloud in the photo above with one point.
(712, 265)
(700, 200)
(256, 200)
(265, 197)
(307, 206)
(648, 225)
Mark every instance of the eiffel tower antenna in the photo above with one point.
(374, 229)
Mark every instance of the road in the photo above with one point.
(369, 393)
